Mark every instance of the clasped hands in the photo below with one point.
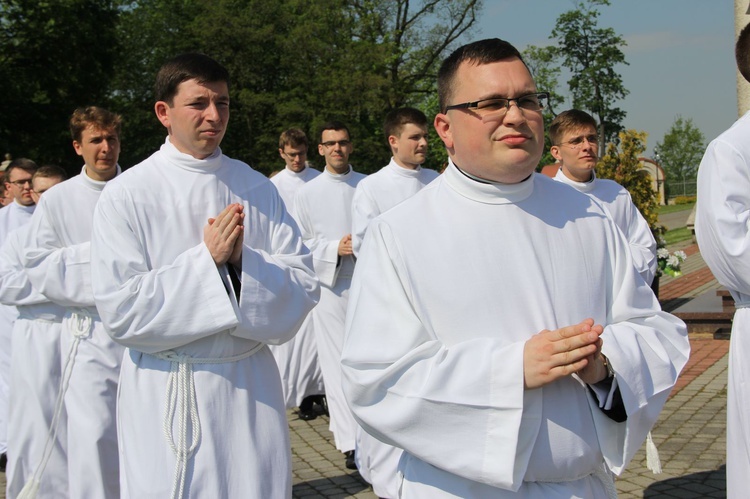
(223, 235)
(551, 355)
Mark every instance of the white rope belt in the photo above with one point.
(180, 404)
(80, 325)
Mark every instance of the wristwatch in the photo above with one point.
(608, 366)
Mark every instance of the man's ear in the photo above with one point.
(160, 108)
(442, 126)
(78, 148)
(555, 152)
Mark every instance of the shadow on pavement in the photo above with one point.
(704, 484)
(350, 484)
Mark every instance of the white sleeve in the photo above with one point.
(408, 389)
(364, 210)
(61, 273)
(325, 252)
(723, 214)
(641, 241)
(15, 288)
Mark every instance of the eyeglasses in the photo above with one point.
(294, 155)
(494, 109)
(577, 142)
(21, 183)
(341, 143)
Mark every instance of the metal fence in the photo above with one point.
(677, 188)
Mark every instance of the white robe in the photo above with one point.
(58, 265)
(721, 228)
(376, 194)
(626, 216)
(12, 217)
(35, 378)
(383, 190)
(161, 295)
(323, 208)
(297, 359)
(449, 286)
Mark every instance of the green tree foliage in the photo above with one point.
(294, 63)
(54, 57)
(541, 61)
(591, 54)
(622, 165)
(681, 150)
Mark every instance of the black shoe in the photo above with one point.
(306, 411)
(3, 461)
(350, 463)
(321, 405)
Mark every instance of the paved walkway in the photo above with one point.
(690, 433)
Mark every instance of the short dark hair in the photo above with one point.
(98, 117)
(294, 137)
(333, 125)
(184, 67)
(479, 52)
(24, 164)
(397, 118)
(742, 52)
(49, 171)
(572, 119)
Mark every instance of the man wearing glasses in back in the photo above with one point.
(498, 331)
(575, 147)
(323, 210)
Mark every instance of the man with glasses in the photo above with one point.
(498, 331)
(323, 209)
(301, 376)
(33, 384)
(576, 149)
(18, 213)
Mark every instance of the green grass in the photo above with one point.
(677, 235)
(672, 208)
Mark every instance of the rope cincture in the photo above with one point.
(81, 327)
(181, 405)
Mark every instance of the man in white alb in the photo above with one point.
(499, 371)
(575, 146)
(323, 209)
(58, 265)
(406, 133)
(15, 215)
(35, 368)
(722, 228)
(297, 359)
(197, 267)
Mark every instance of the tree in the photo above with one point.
(591, 54)
(622, 165)
(54, 57)
(681, 150)
(541, 63)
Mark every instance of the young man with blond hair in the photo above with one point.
(575, 146)
(57, 259)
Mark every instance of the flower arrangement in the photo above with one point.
(669, 263)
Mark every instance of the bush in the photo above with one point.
(684, 200)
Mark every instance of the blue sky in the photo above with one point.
(681, 56)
